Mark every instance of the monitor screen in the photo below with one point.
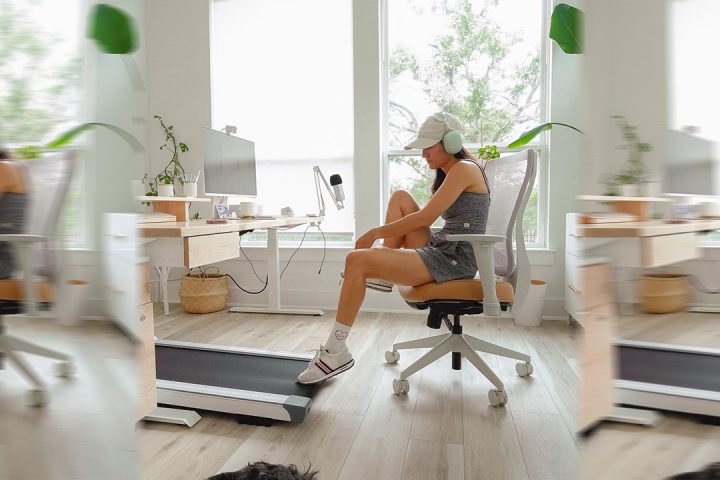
(229, 164)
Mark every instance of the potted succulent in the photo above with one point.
(627, 185)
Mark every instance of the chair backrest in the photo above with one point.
(510, 180)
(49, 177)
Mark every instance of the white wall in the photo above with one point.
(179, 88)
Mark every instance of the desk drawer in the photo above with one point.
(596, 286)
(207, 249)
(668, 249)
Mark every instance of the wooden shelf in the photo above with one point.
(614, 198)
(146, 198)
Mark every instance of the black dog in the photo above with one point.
(712, 472)
(266, 471)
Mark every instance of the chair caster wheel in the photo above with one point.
(524, 369)
(64, 369)
(401, 386)
(392, 357)
(37, 398)
(498, 398)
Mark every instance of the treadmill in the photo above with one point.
(258, 386)
(669, 377)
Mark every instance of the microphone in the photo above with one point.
(336, 183)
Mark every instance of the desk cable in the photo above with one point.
(265, 282)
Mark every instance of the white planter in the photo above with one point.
(629, 190)
(530, 312)
(190, 189)
(165, 190)
(71, 301)
(650, 189)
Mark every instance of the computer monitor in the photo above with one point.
(229, 165)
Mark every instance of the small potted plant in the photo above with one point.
(635, 173)
(488, 153)
(163, 184)
(627, 185)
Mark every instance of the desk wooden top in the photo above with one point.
(201, 227)
(650, 228)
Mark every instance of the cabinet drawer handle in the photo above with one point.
(142, 317)
(574, 289)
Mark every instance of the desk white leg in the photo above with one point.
(273, 288)
(627, 306)
(164, 272)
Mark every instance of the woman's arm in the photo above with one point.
(460, 177)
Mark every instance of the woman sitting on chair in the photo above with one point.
(410, 255)
(13, 200)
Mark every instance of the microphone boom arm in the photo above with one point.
(318, 190)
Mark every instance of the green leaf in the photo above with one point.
(566, 28)
(112, 29)
(526, 137)
(74, 132)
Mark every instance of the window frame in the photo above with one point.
(541, 144)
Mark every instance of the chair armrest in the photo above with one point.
(475, 238)
(485, 259)
(21, 238)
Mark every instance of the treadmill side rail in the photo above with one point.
(233, 401)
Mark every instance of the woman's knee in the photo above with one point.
(356, 259)
(405, 200)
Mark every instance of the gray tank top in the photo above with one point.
(13, 215)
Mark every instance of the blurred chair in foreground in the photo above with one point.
(32, 195)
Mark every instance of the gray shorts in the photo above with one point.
(448, 260)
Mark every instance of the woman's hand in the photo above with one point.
(366, 240)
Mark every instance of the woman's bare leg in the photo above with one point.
(400, 266)
(400, 205)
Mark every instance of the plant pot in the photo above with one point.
(650, 189)
(629, 190)
(165, 190)
(190, 189)
(664, 292)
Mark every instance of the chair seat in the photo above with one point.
(14, 290)
(469, 289)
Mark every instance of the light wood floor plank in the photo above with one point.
(434, 461)
(548, 447)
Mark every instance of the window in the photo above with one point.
(282, 72)
(41, 72)
(479, 59)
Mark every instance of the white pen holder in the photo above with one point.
(190, 189)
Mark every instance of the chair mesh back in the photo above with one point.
(49, 178)
(509, 180)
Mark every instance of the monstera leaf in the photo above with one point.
(67, 137)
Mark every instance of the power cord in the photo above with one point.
(286, 266)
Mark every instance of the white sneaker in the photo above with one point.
(325, 365)
(376, 284)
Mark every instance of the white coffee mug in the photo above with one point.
(247, 209)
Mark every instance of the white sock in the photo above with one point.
(336, 340)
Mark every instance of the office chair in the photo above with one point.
(49, 177)
(510, 180)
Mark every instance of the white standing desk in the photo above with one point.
(197, 243)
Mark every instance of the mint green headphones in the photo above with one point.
(452, 140)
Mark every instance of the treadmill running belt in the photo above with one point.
(666, 367)
(232, 370)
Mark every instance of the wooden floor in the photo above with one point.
(358, 429)
(87, 429)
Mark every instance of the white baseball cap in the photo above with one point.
(433, 129)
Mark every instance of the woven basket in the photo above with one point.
(204, 292)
